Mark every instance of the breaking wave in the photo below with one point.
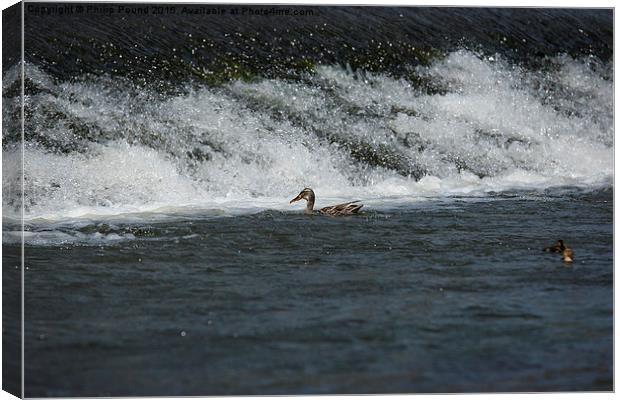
(468, 124)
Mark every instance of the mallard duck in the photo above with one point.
(558, 247)
(567, 255)
(337, 210)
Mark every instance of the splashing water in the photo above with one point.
(469, 126)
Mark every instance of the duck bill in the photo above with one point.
(295, 199)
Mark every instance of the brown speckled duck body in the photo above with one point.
(567, 255)
(349, 208)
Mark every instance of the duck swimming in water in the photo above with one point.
(567, 255)
(558, 247)
(337, 210)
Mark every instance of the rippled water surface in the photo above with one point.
(440, 297)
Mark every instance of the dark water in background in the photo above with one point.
(179, 46)
(449, 296)
(161, 151)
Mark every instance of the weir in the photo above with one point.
(496, 127)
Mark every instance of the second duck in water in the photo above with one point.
(339, 209)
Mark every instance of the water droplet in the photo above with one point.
(183, 333)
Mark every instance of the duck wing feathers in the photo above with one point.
(342, 209)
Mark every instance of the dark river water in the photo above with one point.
(160, 151)
(449, 296)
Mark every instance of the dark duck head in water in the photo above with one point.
(558, 247)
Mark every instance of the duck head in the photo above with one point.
(306, 194)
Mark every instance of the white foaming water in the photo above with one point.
(109, 148)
